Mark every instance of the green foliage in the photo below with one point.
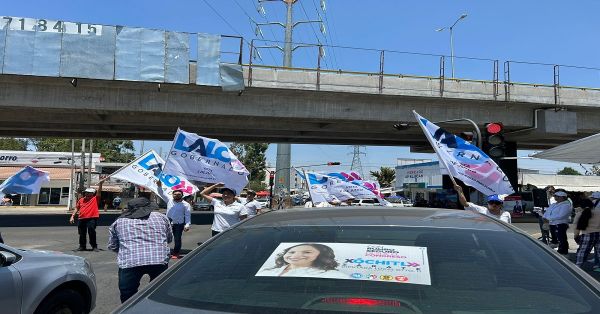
(111, 150)
(385, 176)
(569, 171)
(252, 155)
(257, 186)
(13, 143)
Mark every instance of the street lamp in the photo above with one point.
(451, 28)
(272, 176)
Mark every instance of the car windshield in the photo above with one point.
(470, 271)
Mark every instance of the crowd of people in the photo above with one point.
(554, 221)
(141, 235)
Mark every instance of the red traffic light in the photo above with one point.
(494, 127)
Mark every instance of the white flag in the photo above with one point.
(26, 181)
(146, 169)
(207, 160)
(465, 161)
(332, 186)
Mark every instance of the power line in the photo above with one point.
(314, 32)
(251, 19)
(333, 30)
(224, 20)
(330, 41)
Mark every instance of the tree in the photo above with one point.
(569, 171)
(13, 143)
(111, 150)
(253, 156)
(385, 176)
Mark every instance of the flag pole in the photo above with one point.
(312, 199)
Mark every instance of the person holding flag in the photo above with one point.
(493, 209)
(226, 212)
(87, 216)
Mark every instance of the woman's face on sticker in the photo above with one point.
(301, 256)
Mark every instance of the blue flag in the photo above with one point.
(27, 181)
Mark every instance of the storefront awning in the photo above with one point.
(569, 183)
(110, 188)
(583, 151)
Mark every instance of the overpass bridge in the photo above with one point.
(275, 104)
(288, 105)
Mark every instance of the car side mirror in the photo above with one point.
(7, 258)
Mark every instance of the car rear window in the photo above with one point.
(471, 271)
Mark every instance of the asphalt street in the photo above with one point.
(64, 239)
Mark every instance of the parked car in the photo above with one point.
(366, 202)
(45, 282)
(418, 260)
(264, 202)
(202, 205)
(399, 203)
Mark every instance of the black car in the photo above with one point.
(380, 260)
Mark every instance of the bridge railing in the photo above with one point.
(500, 76)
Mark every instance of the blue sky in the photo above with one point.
(555, 32)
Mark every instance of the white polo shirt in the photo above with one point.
(504, 215)
(225, 216)
(250, 208)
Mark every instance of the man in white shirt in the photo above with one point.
(179, 214)
(494, 208)
(557, 216)
(251, 206)
(226, 212)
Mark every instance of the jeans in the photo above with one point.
(177, 232)
(559, 233)
(129, 278)
(89, 225)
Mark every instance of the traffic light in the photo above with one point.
(494, 145)
(469, 137)
(271, 179)
(333, 163)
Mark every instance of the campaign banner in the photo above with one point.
(147, 169)
(466, 161)
(206, 160)
(26, 181)
(351, 261)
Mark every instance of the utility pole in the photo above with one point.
(284, 150)
(82, 172)
(90, 163)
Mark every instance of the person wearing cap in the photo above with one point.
(557, 215)
(140, 237)
(87, 216)
(587, 230)
(493, 209)
(251, 206)
(227, 212)
(179, 213)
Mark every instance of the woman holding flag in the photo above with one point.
(493, 209)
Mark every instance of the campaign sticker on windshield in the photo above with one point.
(352, 261)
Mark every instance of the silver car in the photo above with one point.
(381, 260)
(45, 282)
